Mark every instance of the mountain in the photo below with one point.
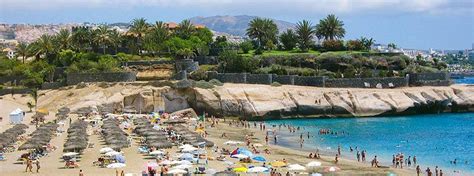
(235, 25)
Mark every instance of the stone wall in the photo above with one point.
(11, 79)
(317, 81)
(206, 60)
(14, 91)
(429, 79)
(75, 78)
(52, 85)
(146, 63)
(387, 82)
(258, 78)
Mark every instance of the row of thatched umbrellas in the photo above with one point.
(191, 137)
(113, 135)
(153, 137)
(11, 135)
(40, 137)
(76, 137)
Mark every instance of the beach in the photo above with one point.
(52, 165)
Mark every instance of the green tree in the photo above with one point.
(288, 39)
(185, 29)
(30, 105)
(139, 29)
(262, 30)
(115, 39)
(246, 46)
(305, 32)
(23, 50)
(63, 39)
(367, 42)
(330, 28)
(34, 94)
(102, 37)
(186, 53)
(43, 46)
(81, 38)
(392, 46)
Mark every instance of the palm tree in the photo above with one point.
(367, 42)
(330, 28)
(288, 39)
(392, 46)
(139, 29)
(23, 50)
(63, 39)
(35, 96)
(262, 30)
(186, 53)
(115, 39)
(44, 45)
(81, 38)
(102, 37)
(305, 31)
(185, 29)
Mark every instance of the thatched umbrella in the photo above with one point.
(225, 173)
(160, 145)
(30, 145)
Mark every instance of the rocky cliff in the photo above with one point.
(261, 101)
(297, 101)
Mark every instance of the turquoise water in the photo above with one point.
(465, 80)
(434, 139)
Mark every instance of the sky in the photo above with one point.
(417, 24)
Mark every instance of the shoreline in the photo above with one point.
(286, 138)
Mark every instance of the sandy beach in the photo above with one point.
(52, 164)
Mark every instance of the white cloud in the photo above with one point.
(340, 6)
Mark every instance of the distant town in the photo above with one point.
(459, 61)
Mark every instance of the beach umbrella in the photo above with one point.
(182, 166)
(116, 165)
(70, 154)
(257, 169)
(316, 174)
(186, 156)
(240, 169)
(105, 150)
(120, 158)
(296, 167)
(112, 153)
(177, 171)
(189, 149)
(259, 159)
(156, 152)
(277, 164)
(240, 156)
(313, 164)
(258, 145)
(225, 173)
(185, 146)
(332, 169)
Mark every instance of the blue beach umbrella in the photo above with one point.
(120, 158)
(259, 158)
(245, 152)
(186, 156)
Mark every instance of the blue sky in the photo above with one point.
(421, 24)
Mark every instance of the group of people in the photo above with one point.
(438, 172)
(29, 165)
(398, 160)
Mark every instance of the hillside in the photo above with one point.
(234, 25)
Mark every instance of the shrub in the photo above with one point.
(201, 73)
(333, 45)
(246, 46)
(275, 84)
(355, 45)
(216, 82)
(258, 51)
(203, 85)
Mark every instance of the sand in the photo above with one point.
(52, 165)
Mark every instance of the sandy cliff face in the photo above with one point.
(286, 101)
(260, 100)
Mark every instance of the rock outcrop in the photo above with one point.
(296, 101)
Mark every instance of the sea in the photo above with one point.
(435, 139)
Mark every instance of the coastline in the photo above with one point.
(291, 140)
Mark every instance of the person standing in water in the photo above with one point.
(414, 159)
(339, 150)
(418, 170)
(358, 156)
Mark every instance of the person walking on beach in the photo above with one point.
(393, 160)
(336, 159)
(363, 155)
(414, 159)
(436, 170)
(428, 172)
(28, 165)
(37, 166)
(275, 138)
(440, 172)
(266, 139)
(409, 161)
(81, 173)
(358, 156)
(339, 149)
(418, 170)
